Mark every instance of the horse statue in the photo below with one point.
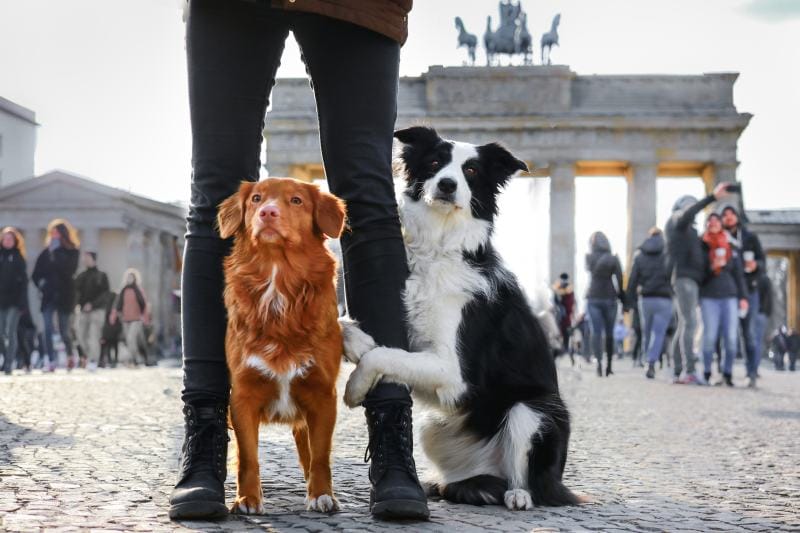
(512, 36)
(466, 39)
(550, 38)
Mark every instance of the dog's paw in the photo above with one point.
(356, 342)
(518, 500)
(247, 505)
(324, 503)
(359, 384)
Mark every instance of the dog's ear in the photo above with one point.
(417, 135)
(230, 215)
(503, 165)
(329, 215)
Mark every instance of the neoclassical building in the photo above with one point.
(125, 230)
(565, 125)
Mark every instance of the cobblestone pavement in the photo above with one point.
(98, 451)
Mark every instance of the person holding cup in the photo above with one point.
(723, 294)
(754, 263)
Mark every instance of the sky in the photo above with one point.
(107, 80)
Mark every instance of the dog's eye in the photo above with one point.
(435, 165)
(470, 172)
(256, 198)
(296, 200)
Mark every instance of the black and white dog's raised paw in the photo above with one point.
(356, 342)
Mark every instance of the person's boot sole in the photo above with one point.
(400, 510)
(200, 510)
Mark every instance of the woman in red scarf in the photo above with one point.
(722, 294)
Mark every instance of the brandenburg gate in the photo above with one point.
(563, 124)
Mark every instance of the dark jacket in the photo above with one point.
(685, 256)
(729, 283)
(139, 298)
(749, 242)
(91, 287)
(53, 275)
(387, 17)
(605, 271)
(649, 272)
(13, 279)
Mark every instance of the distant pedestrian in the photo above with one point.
(723, 295)
(13, 293)
(132, 309)
(605, 288)
(686, 266)
(650, 291)
(111, 333)
(620, 334)
(564, 304)
(92, 290)
(54, 276)
(754, 262)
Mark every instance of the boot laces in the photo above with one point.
(206, 441)
(390, 444)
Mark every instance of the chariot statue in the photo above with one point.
(511, 38)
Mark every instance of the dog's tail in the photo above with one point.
(477, 490)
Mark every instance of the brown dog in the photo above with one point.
(283, 342)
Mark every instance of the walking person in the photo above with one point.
(132, 310)
(110, 334)
(760, 321)
(650, 290)
(686, 266)
(605, 288)
(564, 300)
(13, 293)
(754, 262)
(54, 274)
(723, 295)
(352, 51)
(92, 288)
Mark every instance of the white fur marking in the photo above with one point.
(271, 300)
(283, 407)
(518, 500)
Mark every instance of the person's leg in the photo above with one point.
(662, 313)
(596, 332)
(11, 322)
(64, 322)
(711, 321)
(5, 314)
(760, 321)
(687, 296)
(729, 331)
(82, 324)
(648, 309)
(47, 318)
(233, 51)
(749, 325)
(609, 319)
(354, 73)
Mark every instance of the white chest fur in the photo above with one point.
(441, 283)
(283, 406)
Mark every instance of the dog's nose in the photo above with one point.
(271, 211)
(446, 185)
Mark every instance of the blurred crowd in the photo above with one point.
(83, 320)
(681, 282)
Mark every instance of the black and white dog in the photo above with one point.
(499, 429)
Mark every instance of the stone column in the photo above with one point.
(136, 250)
(562, 219)
(34, 245)
(153, 274)
(641, 204)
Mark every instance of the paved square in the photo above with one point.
(98, 451)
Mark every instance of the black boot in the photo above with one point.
(200, 492)
(396, 493)
(608, 365)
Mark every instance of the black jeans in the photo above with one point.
(233, 50)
